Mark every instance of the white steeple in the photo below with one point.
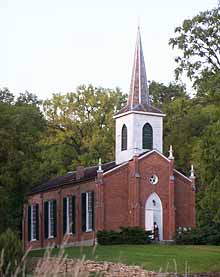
(139, 126)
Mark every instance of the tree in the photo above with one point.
(6, 96)
(27, 98)
(161, 95)
(198, 40)
(208, 87)
(178, 132)
(81, 126)
(209, 161)
(20, 134)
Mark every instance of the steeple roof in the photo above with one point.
(138, 89)
(138, 98)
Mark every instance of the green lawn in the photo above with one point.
(164, 258)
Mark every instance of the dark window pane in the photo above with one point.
(124, 135)
(147, 137)
(83, 211)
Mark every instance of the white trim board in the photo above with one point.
(139, 112)
(152, 151)
(181, 174)
(111, 170)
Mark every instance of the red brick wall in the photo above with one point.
(58, 194)
(116, 199)
(184, 202)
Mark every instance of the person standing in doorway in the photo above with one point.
(156, 232)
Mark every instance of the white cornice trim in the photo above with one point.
(182, 175)
(139, 112)
(152, 151)
(115, 168)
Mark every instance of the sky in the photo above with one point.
(52, 46)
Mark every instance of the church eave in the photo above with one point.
(138, 112)
(115, 168)
(182, 175)
(90, 174)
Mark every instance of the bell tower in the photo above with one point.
(139, 126)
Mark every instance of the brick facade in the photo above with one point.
(120, 197)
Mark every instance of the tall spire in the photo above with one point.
(139, 89)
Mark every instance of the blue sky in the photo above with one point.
(49, 46)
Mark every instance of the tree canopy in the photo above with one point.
(39, 140)
(198, 41)
(21, 129)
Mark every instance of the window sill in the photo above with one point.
(51, 237)
(33, 240)
(89, 231)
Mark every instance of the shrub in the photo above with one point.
(188, 237)
(126, 235)
(200, 235)
(11, 252)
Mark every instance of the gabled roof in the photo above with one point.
(70, 178)
(176, 172)
(90, 173)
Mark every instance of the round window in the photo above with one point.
(153, 179)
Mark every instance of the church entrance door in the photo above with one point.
(154, 214)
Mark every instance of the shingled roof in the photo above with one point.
(143, 107)
(70, 178)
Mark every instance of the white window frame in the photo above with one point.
(68, 215)
(88, 222)
(50, 236)
(33, 234)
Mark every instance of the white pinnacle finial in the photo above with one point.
(171, 157)
(100, 165)
(192, 174)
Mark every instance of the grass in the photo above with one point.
(159, 258)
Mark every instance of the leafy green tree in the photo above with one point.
(209, 161)
(177, 132)
(81, 126)
(161, 95)
(198, 40)
(20, 133)
(208, 88)
(27, 98)
(6, 96)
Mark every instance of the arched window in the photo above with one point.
(147, 137)
(124, 138)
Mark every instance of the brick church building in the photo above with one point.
(137, 189)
